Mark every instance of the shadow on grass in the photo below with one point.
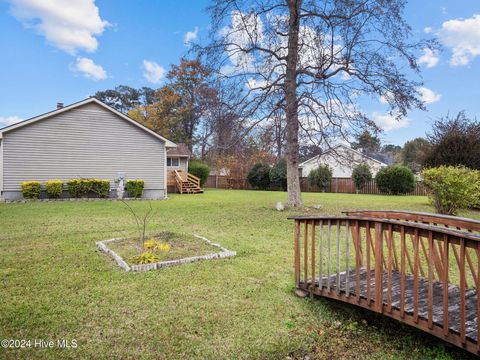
(349, 332)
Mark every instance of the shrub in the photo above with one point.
(135, 188)
(259, 176)
(101, 188)
(320, 177)
(278, 175)
(78, 188)
(361, 175)
(395, 180)
(54, 188)
(476, 195)
(452, 188)
(31, 189)
(144, 258)
(200, 170)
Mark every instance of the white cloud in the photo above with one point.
(429, 58)
(9, 120)
(389, 122)
(191, 36)
(462, 36)
(427, 30)
(89, 69)
(68, 26)
(428, 96)
(153, 72)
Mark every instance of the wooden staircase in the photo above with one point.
(187, 183)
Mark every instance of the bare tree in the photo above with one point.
(141, 220)
(318, 60)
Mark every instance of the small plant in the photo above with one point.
(452, 188)
(395, 180)
(164, 247)
(199, 170)
(31, 189)
(144, 258)
(153, 244)
(54, 188)
(141, 220)
(320, 177)
(361, 176)
(135, 188)
(259, 176)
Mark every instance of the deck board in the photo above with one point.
(453, 297)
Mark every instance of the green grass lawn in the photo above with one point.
(57, 285)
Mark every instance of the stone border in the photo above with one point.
(224, 253)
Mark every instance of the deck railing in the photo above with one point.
(426, 276)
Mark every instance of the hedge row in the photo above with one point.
(78, 188)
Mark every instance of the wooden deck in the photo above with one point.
(418, 268)
(454, 313)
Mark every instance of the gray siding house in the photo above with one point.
(87, 139)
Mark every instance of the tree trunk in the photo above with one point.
(294, 198)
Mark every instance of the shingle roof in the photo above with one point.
(181, 150)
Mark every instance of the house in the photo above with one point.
(87, 139)
(342, 160)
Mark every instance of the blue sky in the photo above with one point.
(55, 54)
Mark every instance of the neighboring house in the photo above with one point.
(87, 139)
(342, 160)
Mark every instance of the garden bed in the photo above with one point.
(166, 249)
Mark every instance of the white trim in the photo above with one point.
(1, 167)
(165, 173)
(168, 143)
(346, 147)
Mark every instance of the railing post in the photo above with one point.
(378, 254)
(296, 237)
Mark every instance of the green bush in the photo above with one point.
(476, 195)
(278, 175)
(395, 180)
(78, 188)
(259, 176)
(135, 188)
(361, 175)
(199, 169)
(452, 188)
(31, 189)
(54, 188)
(321, 177)
(98, 187)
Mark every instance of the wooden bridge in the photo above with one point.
(421, 269)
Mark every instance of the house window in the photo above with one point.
(172, 161)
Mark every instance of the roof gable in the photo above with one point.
(347, 148)
(50, 114)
